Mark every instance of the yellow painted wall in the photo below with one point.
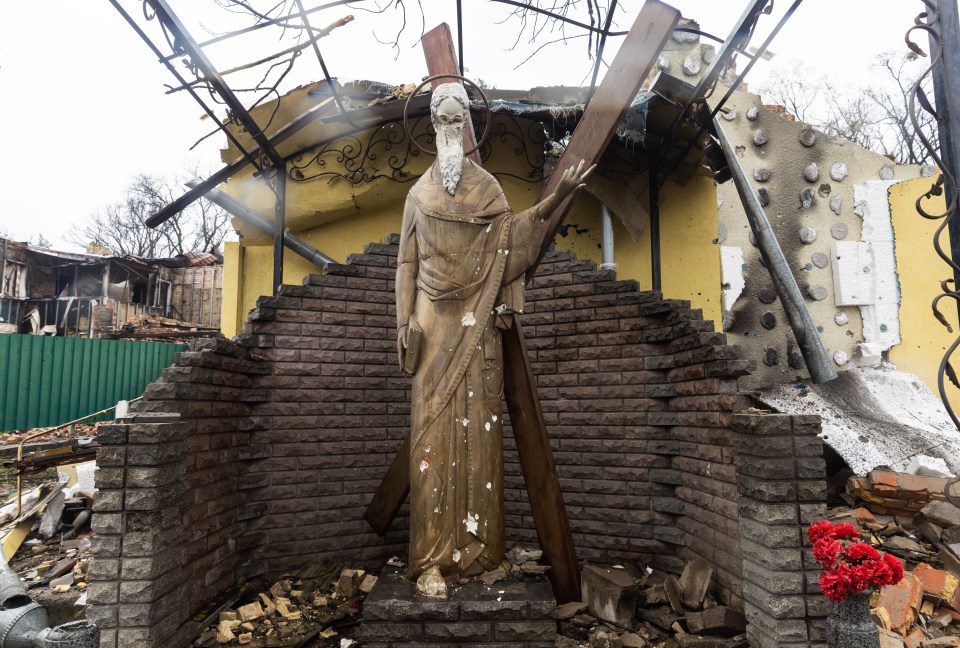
(920, 271)
(690, 260)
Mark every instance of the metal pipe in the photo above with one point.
(606, 239)
(808, 339)
(261, 224)
(654, 209)
(166, 312)
(279, 228)
(213, 292)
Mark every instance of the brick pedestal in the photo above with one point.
(517, 612)
(782, 489)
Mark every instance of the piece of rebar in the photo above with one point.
(808, 339)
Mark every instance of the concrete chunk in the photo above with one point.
(721, 620)
(694, 583)
(943, 514)
(610, 594)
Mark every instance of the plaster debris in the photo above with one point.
(729, 115)
(929, 466)
(731, 274)
(761, 174)
(468, 319)
(486, 426)
(707, 52)
(811, 173)
(455, 555)
(466, 422)
(760, 137)
(691, 65)
(806, 198)
(838, 171)
(841, 358)
(868, 354)
(817, 292)
(663, 63)
(841, 319)
(835, 202)
(752, 113)
(424, 465)
(820, 259)
(886, 172)
(839, 231)
(471, 522)
(808, 235)
(875, 417)
(808, 137)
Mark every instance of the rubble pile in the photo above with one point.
(910, 517)
(310, 608)
(624, 606)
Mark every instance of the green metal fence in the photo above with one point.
(47, 381)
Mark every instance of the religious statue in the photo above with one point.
(460, 275)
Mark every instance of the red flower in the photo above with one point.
(827, 551)
(850, 567)
(819, 530)
(859, 551)
(896, 568)
(845, 530)
(835, 583)
(861, 577)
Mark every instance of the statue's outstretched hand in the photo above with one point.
(573, 178)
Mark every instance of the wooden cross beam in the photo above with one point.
(629, 69)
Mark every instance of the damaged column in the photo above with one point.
(782, 489)
(135, 572)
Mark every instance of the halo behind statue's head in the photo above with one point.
(445, 91)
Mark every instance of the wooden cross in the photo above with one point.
(620, 85)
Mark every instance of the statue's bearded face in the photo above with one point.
(449, 119)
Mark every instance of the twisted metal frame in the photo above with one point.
(945, 183)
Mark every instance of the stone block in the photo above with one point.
(935, 582)
(610, 594)
(511, 631)
(902, 602)
(694, 583)
(459, 632)
(721, 620)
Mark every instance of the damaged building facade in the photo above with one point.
(255, 454)
(47, 292)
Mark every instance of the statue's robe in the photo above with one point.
(460, 276)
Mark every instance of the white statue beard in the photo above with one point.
(450, 154)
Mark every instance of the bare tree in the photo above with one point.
(121, 226)
(874, 116)
(794, 88)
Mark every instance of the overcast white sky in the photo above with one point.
(84, 108)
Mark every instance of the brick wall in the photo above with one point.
(289, 429)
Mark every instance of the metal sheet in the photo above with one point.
(51, 380)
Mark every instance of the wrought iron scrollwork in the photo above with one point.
(386, 152)
(358, 159)
(945, 183)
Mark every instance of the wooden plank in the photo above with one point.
(539, 471)
(391, 492)
(631, 66)
(442, 59)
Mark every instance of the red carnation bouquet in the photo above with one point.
(849, 566)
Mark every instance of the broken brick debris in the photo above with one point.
(297, 610)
